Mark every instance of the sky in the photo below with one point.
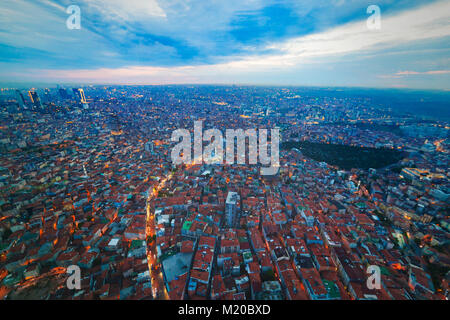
(262, 42)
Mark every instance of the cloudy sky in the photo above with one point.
(299, 42)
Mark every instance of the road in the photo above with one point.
(158, 288)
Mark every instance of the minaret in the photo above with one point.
(85, 172)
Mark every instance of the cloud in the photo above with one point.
(41, 27)
(129, 10)
(428, 22)
(53, 4)
(424, 23)
(433, 72)
(165, 42)
(402, 74)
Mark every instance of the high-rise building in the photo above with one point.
(47, 95)
(63, 94)
(76, 93)
(35, 99)
(148, 146)
(20, 99)
(231, 209)
(115, 125)
(80, 97)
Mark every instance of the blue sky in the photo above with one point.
(314, 42)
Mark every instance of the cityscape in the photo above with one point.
(87, 179)
(211, 159)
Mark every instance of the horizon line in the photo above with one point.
(87, 84)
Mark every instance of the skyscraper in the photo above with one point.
(35, 99)
(76, 93)
(115, 125)
(148, 146)
(20, 99)
(63, 94)
(231, 209)
(80, 97)
(46, 95)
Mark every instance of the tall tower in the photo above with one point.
(115, 125)
(231, 209)
(35, 99)
(63, 94)
(47, 95)
(148, 146)
(20, 99)
(76, 93)
(85, 172)
(80, 97)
